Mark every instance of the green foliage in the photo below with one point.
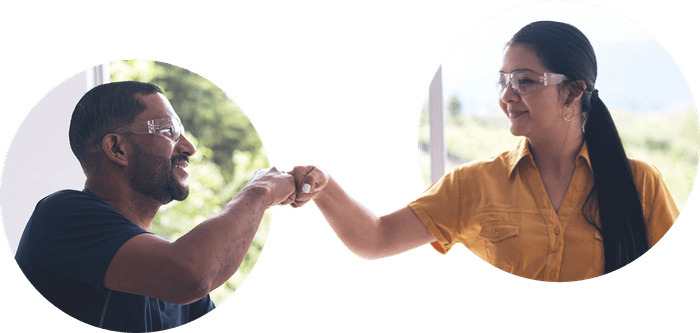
(228, 153)
(670, 141)
(204, 109)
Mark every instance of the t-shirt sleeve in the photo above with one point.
(75, 235)
(438, 209)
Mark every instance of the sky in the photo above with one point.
(635, 72)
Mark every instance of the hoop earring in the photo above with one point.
(573, 113)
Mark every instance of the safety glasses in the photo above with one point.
(170, 128)
(526, 81)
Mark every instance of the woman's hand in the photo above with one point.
(310, 182)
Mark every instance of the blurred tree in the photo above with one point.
(454, 106)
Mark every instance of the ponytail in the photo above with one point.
(617, 201)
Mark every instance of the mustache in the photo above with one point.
(179, 158)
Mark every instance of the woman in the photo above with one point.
(566, 204)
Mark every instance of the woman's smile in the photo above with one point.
(515, 114)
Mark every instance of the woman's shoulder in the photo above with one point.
(646, 176)
(495, 164)
(660, 209)
(643, 169)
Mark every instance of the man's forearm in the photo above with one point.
(216, 247)
(186, 270)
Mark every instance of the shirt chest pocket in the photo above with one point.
(500, 244)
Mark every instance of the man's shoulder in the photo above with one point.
(68, 198)
(68, 194)
(73, 206)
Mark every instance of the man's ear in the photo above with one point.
(116, 148)
(575, 90)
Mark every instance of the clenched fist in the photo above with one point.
(279, 186)
(309, 181)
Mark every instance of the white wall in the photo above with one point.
(41, 148)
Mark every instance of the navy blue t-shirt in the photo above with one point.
(65, 250)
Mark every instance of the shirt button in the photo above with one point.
(496, 233)
(552, 274)
(556, 230)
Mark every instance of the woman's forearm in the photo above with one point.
(364, 233)
(356, 226)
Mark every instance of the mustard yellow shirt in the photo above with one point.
(500, 210)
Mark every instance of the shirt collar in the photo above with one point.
(523, 150)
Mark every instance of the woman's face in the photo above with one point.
(537, 114)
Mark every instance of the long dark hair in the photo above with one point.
(563, 49)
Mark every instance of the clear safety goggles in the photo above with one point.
(526, 81)
(170, 128)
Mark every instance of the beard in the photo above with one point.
(154, 177)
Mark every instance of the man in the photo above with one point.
(92, 253)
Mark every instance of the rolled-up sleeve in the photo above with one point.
(438, 209)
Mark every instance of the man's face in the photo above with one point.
(154, 177)
(159, 164)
